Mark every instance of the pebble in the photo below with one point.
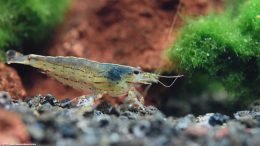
(196, 131)
(249, 118)
(218, 119)
(5, 99)
(141, 128)
(183, 123)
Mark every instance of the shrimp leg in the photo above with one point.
(88, 103)
(85, 103)
(134, 98)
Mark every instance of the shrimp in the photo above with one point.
(83, 74)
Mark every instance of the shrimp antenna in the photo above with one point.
(171, 77)
(174, 20)
(169, 36)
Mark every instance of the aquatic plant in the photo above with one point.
(224, 47)
(28, 22)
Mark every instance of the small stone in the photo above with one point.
(4, 98)
(157, 127)
(242, 115)
(114, 137)
(67, 142)
(103, 123)
(47, 107)
(97, 113)
(50, 99)
(196, 131)
(183, 123)
(36, 131)
(104, 107)
(247, 118)
(217, 119)
(222, 133)
(151, 110)
(161, 140)
(35, 101)
(254, 140)
(129, 115)
(141, 128)
(68, 130)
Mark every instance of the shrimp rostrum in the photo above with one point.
(100, 78)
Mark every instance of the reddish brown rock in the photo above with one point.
(44, 85)
(126, 32)
(13, 131)
(11, 82)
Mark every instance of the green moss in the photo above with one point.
(248, 22)
(225, 47)
(26, 23)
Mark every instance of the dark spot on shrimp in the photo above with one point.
(116, 73)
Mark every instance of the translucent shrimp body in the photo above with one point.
(84, 74)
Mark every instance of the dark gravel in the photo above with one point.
(48, 122)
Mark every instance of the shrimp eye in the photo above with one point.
(136, 72)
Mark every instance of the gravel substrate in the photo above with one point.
(47, 122)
